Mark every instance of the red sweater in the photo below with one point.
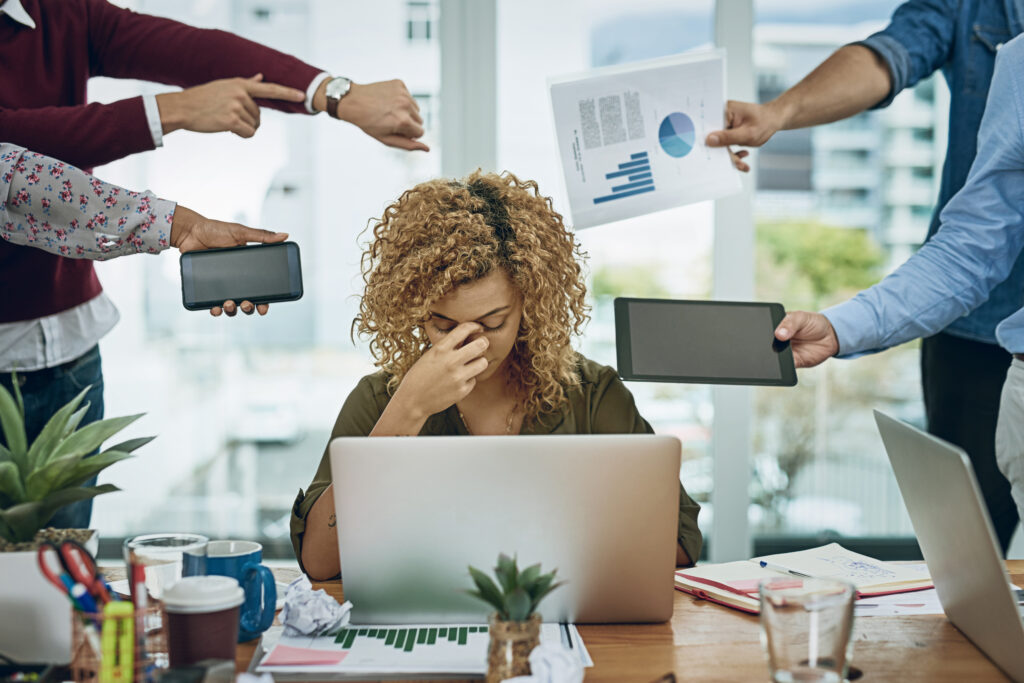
(43, 74)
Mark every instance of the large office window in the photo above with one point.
(836, 208)
(243, 407)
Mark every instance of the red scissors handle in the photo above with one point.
(82, 567)
(47, 550)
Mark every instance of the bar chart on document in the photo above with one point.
(630, 138)
(383, 650)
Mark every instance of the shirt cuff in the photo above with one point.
(151, 234)
(856, 329)
(896, 57)
(156, 128)
(314, 85)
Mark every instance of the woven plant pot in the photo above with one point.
(511, 644)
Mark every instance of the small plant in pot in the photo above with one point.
(37, 480)
(515, 624)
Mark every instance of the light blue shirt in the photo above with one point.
(962, 38)
(982, 234)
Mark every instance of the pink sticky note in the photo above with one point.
(284, 655)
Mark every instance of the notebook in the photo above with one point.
(734, 584)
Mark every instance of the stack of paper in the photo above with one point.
(735, 584)
(362, 651)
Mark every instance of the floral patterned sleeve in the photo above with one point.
(61, 209)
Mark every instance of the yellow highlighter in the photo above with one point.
(117, 643)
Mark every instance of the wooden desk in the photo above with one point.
(707, 642)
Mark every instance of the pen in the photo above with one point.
(784, 570)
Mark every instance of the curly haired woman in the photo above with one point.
(473, 292)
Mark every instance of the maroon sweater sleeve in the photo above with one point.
(126, 44)
(85, 135)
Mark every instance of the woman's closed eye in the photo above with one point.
(487, 328)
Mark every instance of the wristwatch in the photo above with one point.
(337, 88)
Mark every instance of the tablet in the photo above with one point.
(702, 342)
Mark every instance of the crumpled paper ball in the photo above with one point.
(552, 664)
(309, 612)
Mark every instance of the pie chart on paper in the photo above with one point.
(676, 134)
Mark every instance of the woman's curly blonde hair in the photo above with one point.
(443, 233)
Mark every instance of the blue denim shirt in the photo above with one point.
(980, 239)
(961, 37)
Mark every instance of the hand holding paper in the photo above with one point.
(632, 138)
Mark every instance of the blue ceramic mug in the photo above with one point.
(241, 561)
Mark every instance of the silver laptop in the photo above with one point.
(957, 541)
(413, 513)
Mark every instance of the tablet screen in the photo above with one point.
(701, 341)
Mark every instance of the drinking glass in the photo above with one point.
(805, 629)
(162, 555)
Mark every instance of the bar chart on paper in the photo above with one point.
(381, 650)
(406, 639)
(631, 138)
(632, 177)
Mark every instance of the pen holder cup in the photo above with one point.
(147, 661)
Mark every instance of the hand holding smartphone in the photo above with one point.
(260, 273)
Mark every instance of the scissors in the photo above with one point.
(77, 567)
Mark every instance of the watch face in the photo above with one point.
(338, 87)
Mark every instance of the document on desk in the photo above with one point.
(631, 137)
(735, 584)
(914, 604)
(454, 649)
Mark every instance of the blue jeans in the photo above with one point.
(44, 392)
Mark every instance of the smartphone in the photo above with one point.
(260, 273)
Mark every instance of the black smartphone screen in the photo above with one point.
(261, 273)
(707, 342)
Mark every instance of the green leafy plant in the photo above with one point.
(37, 480)
(520, 591)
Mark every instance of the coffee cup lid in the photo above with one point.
(201, 594)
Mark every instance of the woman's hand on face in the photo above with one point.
(446, 373)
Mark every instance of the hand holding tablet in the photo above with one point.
(702, 342)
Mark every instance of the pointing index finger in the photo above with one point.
(273, 91)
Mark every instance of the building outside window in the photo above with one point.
(421, 24)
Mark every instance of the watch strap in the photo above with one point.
(334, 97)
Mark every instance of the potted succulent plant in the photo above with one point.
(515, 624)
(36, 480)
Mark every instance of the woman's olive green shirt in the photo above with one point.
(599, 404)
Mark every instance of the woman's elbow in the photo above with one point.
(319, 566)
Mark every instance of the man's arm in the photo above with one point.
(853, 79)
(85, 136)
(132, 45)
(127, 44)
(981, 236)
